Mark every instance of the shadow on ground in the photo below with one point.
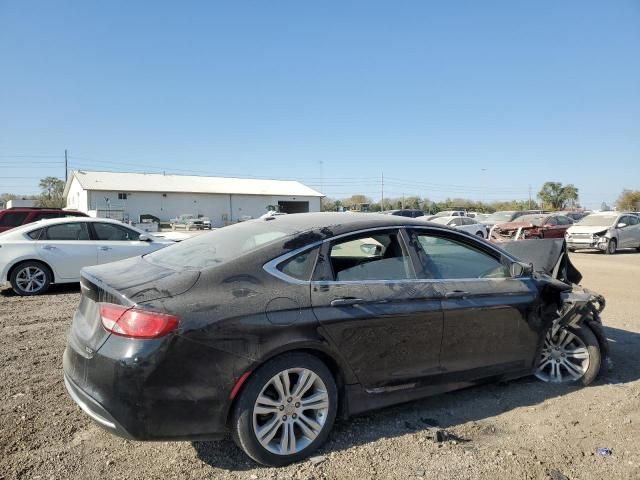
(447, 410)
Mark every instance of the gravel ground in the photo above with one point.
(523, 429)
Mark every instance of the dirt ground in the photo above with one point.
(521, 430)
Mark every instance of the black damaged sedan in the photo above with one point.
(270, 328)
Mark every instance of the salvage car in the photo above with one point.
(505, 216)
(17, 216)
(539, 225)
(466, 224)
(34, 256)
(269, 329)
(605, 231)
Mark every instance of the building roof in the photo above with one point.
(156, 182)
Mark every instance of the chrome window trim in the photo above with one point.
(271, 267)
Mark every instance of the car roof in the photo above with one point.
(339, 223)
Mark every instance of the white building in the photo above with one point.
(224, 200)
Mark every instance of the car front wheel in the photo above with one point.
(612, 246)
(30, 278)
(286, 410)
(569, 355)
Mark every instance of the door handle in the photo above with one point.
(48, 247)
(456, 294)
(346, 302)
(104, 249)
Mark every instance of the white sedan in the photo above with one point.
(466, 224)
(50, 251)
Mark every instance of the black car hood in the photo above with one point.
(546, 256)
(141, 281)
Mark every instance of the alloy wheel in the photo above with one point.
(290, 411)
(564, 357)
(31, 279)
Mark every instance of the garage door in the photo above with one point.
(293, 207)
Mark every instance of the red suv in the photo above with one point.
(14, 217)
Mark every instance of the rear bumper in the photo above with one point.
(146, 390)
(93, 408)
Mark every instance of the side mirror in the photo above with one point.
(145, 238)
(519, 269)
(621, 225)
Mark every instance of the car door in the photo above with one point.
(634, 231)
(552, 228)
(117, 242)
(67, 248)
(486, 326)
(626, 234)
(385, 323)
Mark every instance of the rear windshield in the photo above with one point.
(595, 220)
(217, 247)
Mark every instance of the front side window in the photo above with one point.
(110, 232)
(67, 231)
(448, 259)
(370, 257)
(13, 219)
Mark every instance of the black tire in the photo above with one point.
(586, 335)
(242, 426)
(18, 285)
(612, 246)
(572, 250)
(480, 234)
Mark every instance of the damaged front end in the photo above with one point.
(567, 304)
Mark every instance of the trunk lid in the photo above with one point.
(127, 282)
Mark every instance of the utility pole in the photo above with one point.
(382, 192)
(66, 169)
(529, 197)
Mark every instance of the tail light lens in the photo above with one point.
(136, 323)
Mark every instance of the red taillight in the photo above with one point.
(136, 323)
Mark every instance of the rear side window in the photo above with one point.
(67, 231)
(13, 219)
(300, 266)
(110, 232)
(35, 234)
(447, 259)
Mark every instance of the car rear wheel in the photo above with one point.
(30, 278)
(612, 246)
(569, 355)
(286, 410)
(480, 234)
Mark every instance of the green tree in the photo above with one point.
(52, 189)
(629, 200)
(556, 196)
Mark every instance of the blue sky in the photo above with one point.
(450, 98)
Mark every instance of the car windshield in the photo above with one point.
(498, 217)
(595, 220)
(215, 248)
(536, 220)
